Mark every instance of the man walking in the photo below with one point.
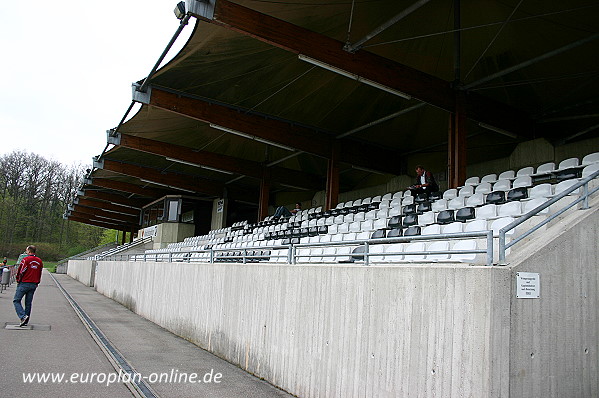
(28, 277)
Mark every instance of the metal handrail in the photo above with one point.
(583, 198)
(292, 253)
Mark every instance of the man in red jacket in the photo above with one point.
(28, 277)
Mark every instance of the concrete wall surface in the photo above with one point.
(333, 330)
(555, 339)
(82, 270)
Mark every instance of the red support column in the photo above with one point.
(456, 163)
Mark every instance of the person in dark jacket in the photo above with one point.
(29, 275)
(425, 182)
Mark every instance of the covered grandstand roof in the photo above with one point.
(292, 94)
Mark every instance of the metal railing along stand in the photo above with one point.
(503, 246)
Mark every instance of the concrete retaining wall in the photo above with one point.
(82, 270)
(555, 339)
(335, 331)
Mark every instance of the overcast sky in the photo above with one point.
(67, 66)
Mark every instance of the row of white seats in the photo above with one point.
(543, 169)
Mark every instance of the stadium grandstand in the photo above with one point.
(487, 287)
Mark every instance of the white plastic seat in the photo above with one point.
(568, 163)
(510, 209)
(329, 220)
(450, 194)
(367, 225)
(376, 199)
(525, 171)
(364, 235)
(476, 226)
(590, 169)
(412, 248)
(393, 252)
(534, 203)
(545, 168)
(338, 237)
(348, 217)
(500, 223)
(433, 229)
(507, 175)
(339, 219)
(343, 228)
(316, 255)
(359, 216)
(466, 191)
(387, 196)
(437, 246)
(502, 185)
(356, 202)
(397, 195)
(371, 215)
(486, 212)
(478, 199)
(366, 201)
(590, 159)
(522, 181)
(456, 203)
(324, 238)
(329, 254)
(394, 211)
(426, 218)
(349, 236)
(472, 181)
(380, 223)
(382, 213)
(439, 205)
(489, 178)
(395, 203)
(355, 226)
(321, 222)
(465, 244)
(453, 228)
(564, 186)
(408, 200)
(377, 249)
(483, 187)
(384, 204)
(541, 191)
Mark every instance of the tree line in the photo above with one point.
(34, 194)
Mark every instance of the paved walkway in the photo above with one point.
(60, 342)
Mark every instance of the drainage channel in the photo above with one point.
(137, 385)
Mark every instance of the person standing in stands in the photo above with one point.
(282, 211)
(425, 182)
(29, 275)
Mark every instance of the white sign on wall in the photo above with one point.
(220, 205)
(528, 285)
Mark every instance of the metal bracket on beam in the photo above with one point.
(98, 163)
(70, 208)
(81, 192)
(88, 181)
(76, 201)
(202, 8)
(139, 96)
(112, 137)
